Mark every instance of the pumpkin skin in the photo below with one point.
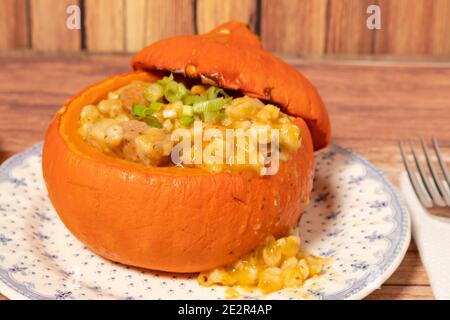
(167, 218)
(234, 58)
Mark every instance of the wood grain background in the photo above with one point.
(288, 27)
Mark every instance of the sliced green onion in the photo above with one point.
(213, 92)
(139, 111)
(154, 92)
(153, 122)
(210, 105)
(174, 91)
(186, 120)
(166, 80)
(213, 116)
(155, 106)
(191, 100)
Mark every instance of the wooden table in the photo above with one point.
(372, 105)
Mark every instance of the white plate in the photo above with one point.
(356, 218)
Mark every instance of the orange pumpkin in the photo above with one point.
(184, 219)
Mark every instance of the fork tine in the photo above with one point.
(429, 185)
(441, 160)
(421, 193)
(440, 188)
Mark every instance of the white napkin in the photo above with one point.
(432, 236)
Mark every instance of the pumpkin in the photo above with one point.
(184, 219)
(233, 57)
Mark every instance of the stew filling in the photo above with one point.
(274, 265)
(136, 122)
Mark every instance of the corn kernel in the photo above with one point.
(232, 293)
(204, 279)
(113, 95)
(315, 265)
(227, 122)
(169, 114)
(273, 111)
(167, 125)
(198, 90)
(84, 129)
(97, 131)
(289, 262)
(114, 135)
(221, 276)
(243, 124)
(272, 255)
(292, 277)
(290, 136)
(111, 108)
(143, 144)
(244, 110)
(270, 280)
(176, 106)
(263, 116)
(290, 246)
(246, 273)
(89, 113)
(122, 118)
(304, 268)
(191, 71)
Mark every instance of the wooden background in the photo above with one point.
(289, 27)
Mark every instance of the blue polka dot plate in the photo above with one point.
(355, 218)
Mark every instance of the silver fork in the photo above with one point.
(432, 191)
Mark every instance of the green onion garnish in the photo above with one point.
(155, 106)
(154, 92)
(166, 80)
(186, 120)
(153, 122)
(139, 111)
(174, 91)
(210, 105)
(213, 92)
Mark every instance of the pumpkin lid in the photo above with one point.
(234, 58)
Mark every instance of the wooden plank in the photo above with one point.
(410, 272)
(136, 24)
(48, 26)
(161, 15)
(294, 27)
(380, 92)
(411, 28)
(211, 13)
(105, 25)
(14, 24)
(440, 28)
(402, 293)
(347, 31)
(151, 20)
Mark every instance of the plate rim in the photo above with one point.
(399, 252)
(14, 291)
